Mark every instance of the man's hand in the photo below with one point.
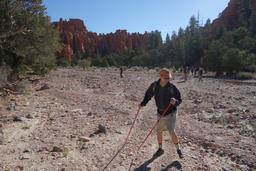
(173, 101)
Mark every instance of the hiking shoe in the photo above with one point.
(180, 154)
(159, 152)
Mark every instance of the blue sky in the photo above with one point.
(105, 16)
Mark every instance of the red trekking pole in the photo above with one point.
(125, 142)
(150, 133)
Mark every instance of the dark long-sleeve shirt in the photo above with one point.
(162, 96)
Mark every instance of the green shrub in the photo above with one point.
(85, 63)
(245, 76)
(62, 62)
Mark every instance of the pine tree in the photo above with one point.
(212, 59)
(27, 39)
(253, 23)
(167, 39)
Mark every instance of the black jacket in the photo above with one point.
(162, 99)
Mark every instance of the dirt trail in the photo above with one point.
(84, 116)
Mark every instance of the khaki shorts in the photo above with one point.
(166, 123)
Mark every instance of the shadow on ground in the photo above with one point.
(144, 166)
(175, 164)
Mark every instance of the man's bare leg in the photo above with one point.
(175, 140)
(160, 138)
(160, 151)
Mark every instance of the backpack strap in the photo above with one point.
(154, 87)
(170, 89)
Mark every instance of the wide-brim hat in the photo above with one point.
(165, 73)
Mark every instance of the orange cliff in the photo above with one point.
(76, 38)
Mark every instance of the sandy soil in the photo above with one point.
(82, 117)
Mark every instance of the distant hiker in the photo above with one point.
(200, 74)
(121, 72)
(173, 73)
(1, 135)
(164, 93)
(185, 72)
(192, 71)
(196, 70)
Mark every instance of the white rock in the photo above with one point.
(84, 139)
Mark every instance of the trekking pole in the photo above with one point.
(150, 133)
(126, 139)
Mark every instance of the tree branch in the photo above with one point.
(18, 31)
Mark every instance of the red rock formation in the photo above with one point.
(72, 33)
(73, 25)
(229, 17)
(67, 52)
(75, 37)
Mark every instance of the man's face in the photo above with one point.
(165, 77)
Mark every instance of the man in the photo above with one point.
(1, 135)
(165, 93)
(121, 72)
(200, 74)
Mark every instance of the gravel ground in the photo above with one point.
(76, 120)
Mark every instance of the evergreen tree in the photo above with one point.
(248, 44)
(232, 61)
(239, 34)
(193, 24)
(167, 39)
(192, 43)
(155, 40)
(253, 23)
(207, 24)
(213, 57)
(27, 39)
(244, 12)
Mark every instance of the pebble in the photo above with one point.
(102, 129)
(57, 149)
(118, 132)
(24, 156)
(231, 110)
(18, 119)
(130, 154)
(29, 116)
(84, 139)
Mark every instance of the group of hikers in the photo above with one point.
(193, 71)
(185, 70)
